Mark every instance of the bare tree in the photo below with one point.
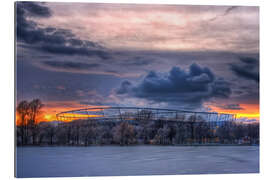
(225, 133)
(124, 134)
(254, 132)
(162, 136)
(140, 127)
(143, 117)
(181, 132)
(50, 132)
(34, 110)
(23, 112)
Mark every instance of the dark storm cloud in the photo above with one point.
(34, 82)
(248, 69)
(138, 61)
(221, 88)
(31, 9)
(248, 96)
(190, 88)
(124, 88)
(34, 9)
(70, 65)
(249, 60)
(232, 107)
(245, 73)
(51, 40)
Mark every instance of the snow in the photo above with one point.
(135, 160)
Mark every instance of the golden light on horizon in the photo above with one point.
(243, 115)
(48, 117)
(249, 111)
(73, 115)
(54, 107)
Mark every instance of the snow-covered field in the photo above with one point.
(135, 160)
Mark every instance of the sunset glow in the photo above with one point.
(196, 58)
(250, 111)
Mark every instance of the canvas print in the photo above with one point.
(135, 89)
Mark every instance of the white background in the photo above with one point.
(7, 89)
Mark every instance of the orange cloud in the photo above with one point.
(54, 107)
(51, 108)
(250, 111)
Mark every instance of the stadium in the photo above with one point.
(131, 114)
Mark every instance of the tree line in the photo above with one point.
(28, 129)
(140, 130)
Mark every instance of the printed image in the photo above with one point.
(135, 89)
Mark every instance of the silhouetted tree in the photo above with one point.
(124, 134)
(162, 136)
(134, 128)
(23, 112)
(50, 132)
(225, 132)
(253, 132)
(34, 110)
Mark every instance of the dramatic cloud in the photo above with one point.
(33, 9)
(75, 33)
(188, 89)
(49, 39)
(89, 54)
(124, 88)
(70, 65)
(161, 27)
(232, 107)
(248, 69)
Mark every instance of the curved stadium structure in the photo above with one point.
(132, 114)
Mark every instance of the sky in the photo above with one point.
(198, 58)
